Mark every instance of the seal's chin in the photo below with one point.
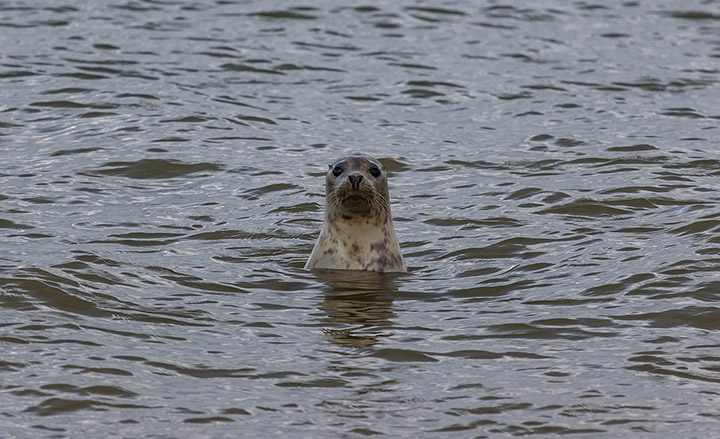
(354, 202)
(355, 205)
(354, 199)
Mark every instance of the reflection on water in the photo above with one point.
(368, 317)
(359, 303)
(349, 282)
(553, 170)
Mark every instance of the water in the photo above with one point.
(554, 177)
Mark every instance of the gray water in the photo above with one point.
(554, 181)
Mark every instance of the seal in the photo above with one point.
(358, 232)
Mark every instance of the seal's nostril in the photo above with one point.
(355, 180)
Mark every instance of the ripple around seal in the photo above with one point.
(154, 169)
(586, 207)
(57, 406)
(7, 224)
(294, 13)
(51, 293)
(402, 355)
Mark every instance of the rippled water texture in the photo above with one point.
(554, 178)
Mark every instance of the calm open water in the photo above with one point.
(555, 182)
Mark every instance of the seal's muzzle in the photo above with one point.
(355, 180)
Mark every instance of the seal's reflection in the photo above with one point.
(360, 300)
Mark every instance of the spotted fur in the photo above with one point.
(358, 232)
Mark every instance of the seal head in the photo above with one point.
(358, 232)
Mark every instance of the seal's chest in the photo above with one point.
(368, 247)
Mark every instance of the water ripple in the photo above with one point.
(552, 176)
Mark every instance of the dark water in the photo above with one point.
(554, 175)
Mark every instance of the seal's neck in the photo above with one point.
(361, 222)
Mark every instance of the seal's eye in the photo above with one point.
(337, 170)
(375, 172)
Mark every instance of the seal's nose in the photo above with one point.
(355, 180)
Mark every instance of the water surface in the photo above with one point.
(554, 181)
